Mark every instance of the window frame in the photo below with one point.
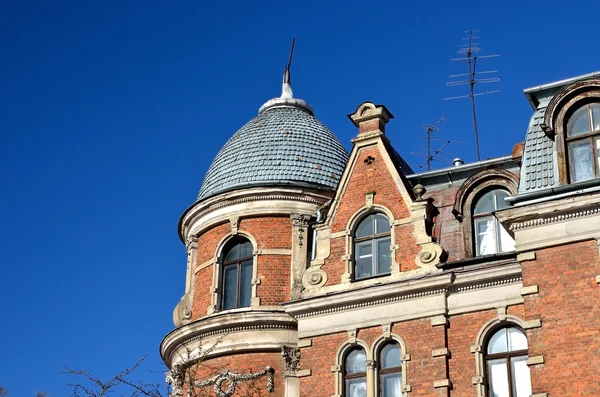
(472, 188)
(347, 376)
(374, 238)
(385, 371)
(238, 262)
(556, 116)
(497, 225)
(587, 136)
(506, 356)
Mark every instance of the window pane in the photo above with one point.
(356, 387)
(498, 342)
(390, 356)
(233, 253)
(365, 228)
(579, 123)
(516, 340)
(246, 284)
(486, 235)
(485, 203)
(229, 287)
(507, 243)
(364, 259)
(356, 362)
(500, 202)
(581, 160)
(498, 378)
(384, 256)
(520, 377)
(245, 249)
(595, 116)
(392, 385)
(382, 224)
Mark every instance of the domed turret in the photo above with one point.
(284, 145)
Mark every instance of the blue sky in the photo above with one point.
(112, 111)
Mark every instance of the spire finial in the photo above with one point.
(286, 88)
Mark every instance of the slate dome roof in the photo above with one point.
(284, 145)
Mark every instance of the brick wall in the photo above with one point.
(568, 305)
(207, 249)
(365, 178)
(423, 369)
(448, 231)
(274, 271)
(244, 364)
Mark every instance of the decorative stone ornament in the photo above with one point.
(175, 378)
(292, 360)
(419, 190)
(371, 118)
(233, 379)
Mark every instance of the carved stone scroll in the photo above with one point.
(233, 379)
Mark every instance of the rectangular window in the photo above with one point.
(384, 256)
(246, 284)
(229, 289)
(520, 375)
(364, 259)
(392, 385)
(498, 378)
(486, 236)
(356, 387)
(582, 162)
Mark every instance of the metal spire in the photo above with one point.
(286, 87)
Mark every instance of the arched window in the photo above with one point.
(390, 370)
(490, 236)
(355, 373)
(507, 370)
(583, 142)
(236, 274)
(372, 254)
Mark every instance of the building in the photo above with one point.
(314, 272)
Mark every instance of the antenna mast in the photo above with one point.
(469, 55)
(431, 128)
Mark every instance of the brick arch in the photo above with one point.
(223, 242)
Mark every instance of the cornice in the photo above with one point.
(433, 284)
(553, 219)
(305, 197)
(229, 323)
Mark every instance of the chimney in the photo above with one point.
(370, 118)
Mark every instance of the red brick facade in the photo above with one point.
(440, 303)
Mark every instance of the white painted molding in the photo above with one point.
(440, 352)
(530, 290)
(441, 383)
(536, 360)
(537, 323)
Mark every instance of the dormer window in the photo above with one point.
(490, 236)
(583, 141)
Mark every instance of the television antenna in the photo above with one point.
(435, 156)
(469, 55)
(430, 129)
